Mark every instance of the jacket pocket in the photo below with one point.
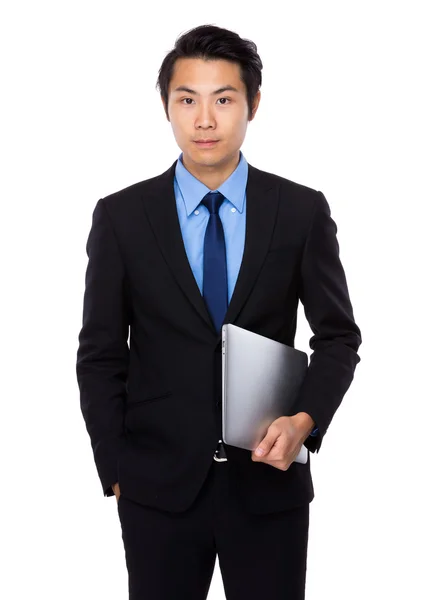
(131, 405)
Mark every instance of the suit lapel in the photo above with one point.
(262, 206)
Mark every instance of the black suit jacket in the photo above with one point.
(152, 407)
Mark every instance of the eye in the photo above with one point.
(191, 99)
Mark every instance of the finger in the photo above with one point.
(267, 442)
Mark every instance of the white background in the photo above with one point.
(343, 110)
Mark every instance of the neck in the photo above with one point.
(212, 175)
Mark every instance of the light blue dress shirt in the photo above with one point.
(193, 218)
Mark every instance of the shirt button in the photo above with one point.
(196, 212)
(233, 209)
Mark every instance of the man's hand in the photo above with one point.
(116, 490)
(283, 440)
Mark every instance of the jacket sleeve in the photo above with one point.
(324, 294)
(103, 352)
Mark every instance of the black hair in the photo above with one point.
(210, 42)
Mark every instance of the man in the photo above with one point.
(211, 240)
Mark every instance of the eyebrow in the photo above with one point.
(225, 88)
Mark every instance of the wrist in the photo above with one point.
(304, 423)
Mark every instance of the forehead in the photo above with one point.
(205, 76)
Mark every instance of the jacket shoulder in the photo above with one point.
(286, 185)
(295, 198)
(130, 193)
(127, 202)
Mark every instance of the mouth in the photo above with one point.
(206, 143)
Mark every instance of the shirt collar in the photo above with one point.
(194, 190)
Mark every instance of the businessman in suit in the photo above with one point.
(211, 240)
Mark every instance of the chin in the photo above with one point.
(206, 157)
(200, 158)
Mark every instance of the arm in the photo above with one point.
(103, 353)
(324, 294)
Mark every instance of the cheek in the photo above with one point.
(240, 130)
(178, 130)
(238, 121)
(179, 122)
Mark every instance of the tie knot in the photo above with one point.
(213, 201)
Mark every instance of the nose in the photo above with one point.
(205, 116)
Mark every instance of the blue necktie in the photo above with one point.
(215, 267)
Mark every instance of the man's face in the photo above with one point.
(202, 110)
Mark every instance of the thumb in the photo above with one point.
(267, 442)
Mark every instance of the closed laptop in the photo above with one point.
(261, 380)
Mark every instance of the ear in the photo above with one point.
(255, 105)
(165, 107)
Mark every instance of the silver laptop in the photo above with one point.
(261, 380)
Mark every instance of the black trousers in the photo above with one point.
(171, 556)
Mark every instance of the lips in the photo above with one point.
(209, 144)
